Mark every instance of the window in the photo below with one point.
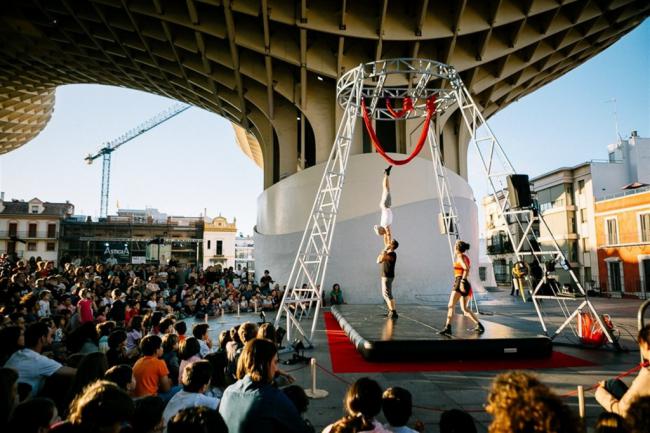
(554, 196)
(219, 248)
(581, 186)
(33, 209)
(573, 251)
(615, 276)
(31, 246)
(585, 244)
(572, 225)
(611, 230)
(583, 215)
(50, 246)
(51, 230)
(32, 231)
(482, 273)
(587, 279)
(209, 244)
(644, 227)
(13, 229)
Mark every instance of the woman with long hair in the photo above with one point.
(253, 404)
(362, 402)
(461, 289)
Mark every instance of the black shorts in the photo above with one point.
(456, 287)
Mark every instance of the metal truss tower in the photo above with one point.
(419, 80)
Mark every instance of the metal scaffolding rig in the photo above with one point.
(418, 79)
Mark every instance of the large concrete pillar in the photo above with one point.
(320, 112)
(286, 128)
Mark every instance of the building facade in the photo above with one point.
(566, 198)
(219, 242)
(623, 242)
(245, 252)
(31, 229)
(123, 240)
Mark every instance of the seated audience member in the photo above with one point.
(218, 384)
(181, 329)
(200, 332)
(151, 373)
(456, 421)
(197, 420)
(134, 334)
(170, 356)
(252, 404)
(189, 351)
(91, 368)
(609, 422)
(299, 398)
(362, 401)
(8, 394)
(148, 415)
(122, 376)
(519, 403)
(245, 333)
(32, 367)
(336, 295)
(196, 381)
(104, 329)
(614, 395)
(224, 339)
(116, 353)
(102, 408)
(12, 339)
(637, 419)
(33, 416)
(398, 407)
(84, 339)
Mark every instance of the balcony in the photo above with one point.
(25, 234)
(499, 244)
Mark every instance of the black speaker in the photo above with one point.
(519, 191)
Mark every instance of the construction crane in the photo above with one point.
(111, 146)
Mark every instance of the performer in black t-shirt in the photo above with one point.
(387, 259)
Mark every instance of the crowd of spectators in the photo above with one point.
(106, 348)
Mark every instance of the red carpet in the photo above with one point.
(346, 359)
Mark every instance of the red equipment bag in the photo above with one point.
(590, 332)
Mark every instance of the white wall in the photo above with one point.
(608, 178)
(228, 247)
(423, 272)
(640, 158)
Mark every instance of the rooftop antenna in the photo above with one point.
(618, 135)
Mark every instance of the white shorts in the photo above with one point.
(386, 217)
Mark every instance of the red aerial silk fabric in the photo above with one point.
(406, 107)
(431, 108)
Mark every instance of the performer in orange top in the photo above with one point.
(460, 289)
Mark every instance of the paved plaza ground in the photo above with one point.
(437, 391)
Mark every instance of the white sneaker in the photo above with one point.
(376, 229)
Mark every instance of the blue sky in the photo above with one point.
(192, 161)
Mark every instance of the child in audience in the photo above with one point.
(362, 402)
(456, 421)
(151, 373)
(398, 406)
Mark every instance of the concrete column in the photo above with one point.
(455, 139)
(321, 115)
(286, 128)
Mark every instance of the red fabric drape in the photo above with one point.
(431, 108)
(406, 107)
